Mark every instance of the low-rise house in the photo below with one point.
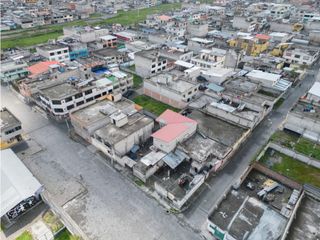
(54, 52)
(149, 63)
(108, 41)
(124, 131)
(301, 56)
(175, 128)
(270, 80)
(197, 44)
(208, 59)
(13, 70)
(197, 28)
(11, 129)
(110, 55)
(41, 68)
(304, 118)
(171, 89)
(85, 34)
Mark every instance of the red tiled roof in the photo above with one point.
(170, 116)
(176, 125)
(170, 132)
(40, 67)
(263, 36)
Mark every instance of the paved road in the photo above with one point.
(109, 206)
(197, 213)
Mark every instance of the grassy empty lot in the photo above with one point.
(25, 236)
(152, 105)
(66, 235)
(137, 81)
(33, 36)
(292, 168)
(296, 143)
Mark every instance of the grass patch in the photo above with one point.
(95, 15)
(139, 182)
(137, 81)
(278, 103)
(295, 170)
(296, 143)
(153, 105)
(135, 16)
(66, 235)
(31, 37)
(132, 68)
(52, 221)
(28, 41)
(25, 236)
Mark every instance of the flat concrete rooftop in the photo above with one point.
(113, 134)
(303, 108)
(93, 112)
(7, 119)
(217, 129)
(59, 91)
(307, 222)
(244, 216)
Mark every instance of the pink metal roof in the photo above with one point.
(169, 117)
(170, 132)
(40, 67)
(164, 18)
(263, 36)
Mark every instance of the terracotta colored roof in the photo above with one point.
(169, 117)
(164, 18)
(170, 132)
(40, 67)
(176, 125)
(263, 36)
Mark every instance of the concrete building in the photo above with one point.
(197, 28)
(242, 212)
(54, 52)
(149, 63)
(11, 129)
(175, 128)
(121, 134)
(109, 41)
(197, 44)
(303, 118)
(12, 70)
(217, 75)
(85, 34)
(60, 98)
(20, 190)
(170, 89)
(208, 59)
(96, 115)
(301, 56)
(270, 80)
(110, 55)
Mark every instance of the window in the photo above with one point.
(68, 99)
(58, 110)
(52, 54)
(89, 99)
(88, 92)
(59, 52)
(306, 58)
(152, 71)
(97, 96)
(104, 93)
(78, 95)
(18, 128)
(159, 63)
(65, 51)
(297, 56)
(80, 103)
(56, 102)
(153, 65)
(70, 107)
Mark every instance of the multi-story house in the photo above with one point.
(210, 58)
(11, 129)
(301, 56)
(13, 70)
(55, 52)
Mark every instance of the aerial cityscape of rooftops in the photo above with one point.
(160, 120)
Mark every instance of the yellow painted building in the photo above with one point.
(252, 45)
